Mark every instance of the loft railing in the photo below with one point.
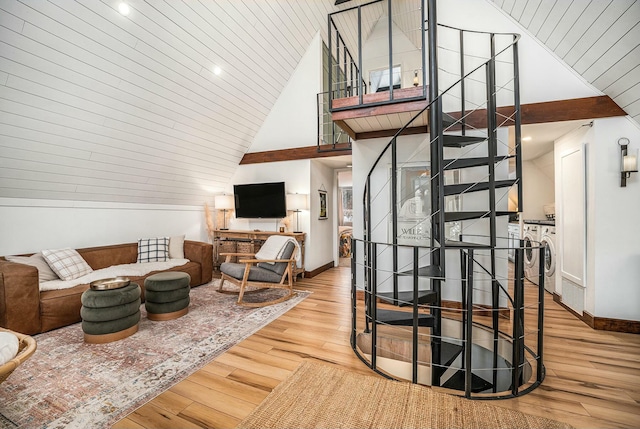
(330, 136)
(365, 60)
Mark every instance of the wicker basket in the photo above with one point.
(26, 347)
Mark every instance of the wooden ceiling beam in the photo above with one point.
(535, 113)
(307, 152)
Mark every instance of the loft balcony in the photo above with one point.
(381, 114)
(376, 68)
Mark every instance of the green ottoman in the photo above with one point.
(110, 315)
(166, 295)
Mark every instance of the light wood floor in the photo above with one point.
(593, 377)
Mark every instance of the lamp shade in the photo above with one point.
(224, 202)
(296, 201)
(630, 162)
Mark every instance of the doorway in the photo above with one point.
(345, 217)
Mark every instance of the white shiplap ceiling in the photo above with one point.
(96, 106)
(99, 106)
(599, 39)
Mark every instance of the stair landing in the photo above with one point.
(378, 116)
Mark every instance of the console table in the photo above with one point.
(234, 241)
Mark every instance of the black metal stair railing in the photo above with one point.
(469, 364)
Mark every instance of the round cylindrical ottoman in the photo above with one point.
(166, 295)
(110, 315)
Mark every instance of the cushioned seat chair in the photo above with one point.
(260, 274)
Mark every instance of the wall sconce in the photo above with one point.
(297, 202)
(628, 161)
(224, 203)
(416, 81)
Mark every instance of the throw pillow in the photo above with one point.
(45, 273)
(176, 247)
(66, 263)
(9, 346)
(153, 249)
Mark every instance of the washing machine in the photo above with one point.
(548, 240)
(531, 239)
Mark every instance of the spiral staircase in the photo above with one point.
(435, 300)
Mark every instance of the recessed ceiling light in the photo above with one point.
(217, 70)
(526, 139)
(124, 9)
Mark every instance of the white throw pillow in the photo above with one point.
(45, 273)
(153, 249)
(66, 263)
(8, 347)
(176, 247)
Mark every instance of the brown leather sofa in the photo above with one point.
(23, 308)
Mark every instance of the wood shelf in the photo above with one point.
(241, 241)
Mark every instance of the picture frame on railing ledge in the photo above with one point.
(323, 213)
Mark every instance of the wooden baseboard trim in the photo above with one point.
(615, 325)
(325, 267)
(601, 323)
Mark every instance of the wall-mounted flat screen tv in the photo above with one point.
(260, 200)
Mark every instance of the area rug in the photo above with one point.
(70, 384)
(323, 396)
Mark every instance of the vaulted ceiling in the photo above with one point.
(99, 106)
(96, 105)
(599, 39)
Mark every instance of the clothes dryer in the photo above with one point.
(531, 239)
(548, 240)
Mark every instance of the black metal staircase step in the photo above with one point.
(456, 382)
(452, 140)
(449, 352)
(460, 188)
(453, 164)
(406, 297)
(425, 271)
(458, 216)
(403, 318)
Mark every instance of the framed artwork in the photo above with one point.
(323, 215)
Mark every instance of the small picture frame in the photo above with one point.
(323, 215)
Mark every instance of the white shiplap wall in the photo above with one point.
(96, 106)
(599, 39)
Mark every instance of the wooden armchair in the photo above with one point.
(260, 274)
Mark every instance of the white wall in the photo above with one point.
(537, 190)
(295, 174)
(612, 219)
(323, 233)
(292, 121)
(29, 225)
(613, 230)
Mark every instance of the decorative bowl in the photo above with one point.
(112, 283)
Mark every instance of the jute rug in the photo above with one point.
(70, 384)
(322, 396)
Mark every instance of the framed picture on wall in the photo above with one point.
(323, 215)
